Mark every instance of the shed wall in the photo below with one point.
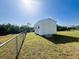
(45, 27)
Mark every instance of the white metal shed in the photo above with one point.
(45, 27)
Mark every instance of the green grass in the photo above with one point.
(64, 45)
(6, 37)
(73, 33)
(8, 51)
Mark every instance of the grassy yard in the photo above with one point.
(8, 51)
(73, 33)
(6, 37)
(64, 45)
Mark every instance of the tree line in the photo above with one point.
(65, 28)
(13, 29)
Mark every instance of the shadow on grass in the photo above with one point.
(61, 39)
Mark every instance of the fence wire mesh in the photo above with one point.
(11, 49)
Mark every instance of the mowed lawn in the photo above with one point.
(73, 33)
(6, 37)
(8, 51)
(64, 45)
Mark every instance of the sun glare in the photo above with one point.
(31, 6)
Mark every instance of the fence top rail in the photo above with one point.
(6, 42)
(9, 40)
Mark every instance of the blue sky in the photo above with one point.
(21, 12)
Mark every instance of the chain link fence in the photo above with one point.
(11, 48)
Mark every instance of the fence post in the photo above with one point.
(18, 50)
(16, 47)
